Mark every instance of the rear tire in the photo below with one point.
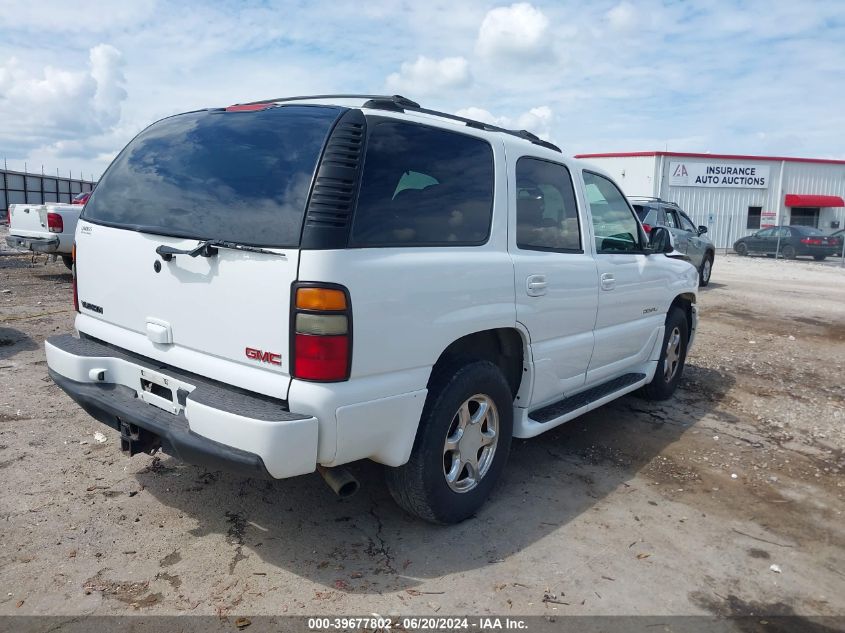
(819, 258)
(788, 252)
(706, 270)
(465, 401)
(68, 261)
(673, 357)
(741, 250)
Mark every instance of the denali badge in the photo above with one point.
(264, 357)
(92, 307)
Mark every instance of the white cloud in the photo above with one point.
(426, 75)
(56, 105)
(537, 120)
(520, 30)
(622, 17)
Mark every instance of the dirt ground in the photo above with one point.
(727, 499)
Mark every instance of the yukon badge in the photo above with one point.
(264, 357)
(91, 306)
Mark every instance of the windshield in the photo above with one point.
(236, 176)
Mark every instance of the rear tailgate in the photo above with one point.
(238, 176)
(212, 309)
(29, 220)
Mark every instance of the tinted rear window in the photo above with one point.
(237, 176)
(647, 215)
(424, 186)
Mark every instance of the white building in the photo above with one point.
(735, 195)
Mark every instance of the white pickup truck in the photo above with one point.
(44, 228)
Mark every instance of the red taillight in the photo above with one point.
(55, 223)
(321, 332)
(812, 241)
(321, 357)
(73, 272)
(647, 228)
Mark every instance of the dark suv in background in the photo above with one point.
(686, 237)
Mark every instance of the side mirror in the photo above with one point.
(660, 240)
(702, 230)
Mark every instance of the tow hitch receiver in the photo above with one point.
(134, 440)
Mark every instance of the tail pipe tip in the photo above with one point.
(340, 480)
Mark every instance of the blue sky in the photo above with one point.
(79, 79)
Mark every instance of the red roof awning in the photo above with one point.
(812, 200)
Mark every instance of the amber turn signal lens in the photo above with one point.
(320, 299)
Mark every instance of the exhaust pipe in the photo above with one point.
(339, 480)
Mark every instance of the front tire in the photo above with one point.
(705, 270)
(788, 252)
(673, 357)
(741, 250)
(461, 447)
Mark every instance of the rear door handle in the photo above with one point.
(536, 285)
(608, 281)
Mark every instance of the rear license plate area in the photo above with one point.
(162, 391)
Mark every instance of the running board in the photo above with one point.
(579, 400)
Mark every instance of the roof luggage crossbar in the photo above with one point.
(398, 103)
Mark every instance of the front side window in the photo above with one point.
(614, 225)
(687, 224)
(423, 186)
(546, 213)
(766, 233)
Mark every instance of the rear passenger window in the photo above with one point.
(423, 186)
(546, 214)
(614, 225)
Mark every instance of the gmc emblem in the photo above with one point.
(264, 357)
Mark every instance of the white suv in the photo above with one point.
(295, 284)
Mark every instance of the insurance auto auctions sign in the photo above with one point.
(695, 174)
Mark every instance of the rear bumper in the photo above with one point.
(36, 244)
(202, 422)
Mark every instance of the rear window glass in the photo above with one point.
(236, 176)
(647, 215)
(423, 186)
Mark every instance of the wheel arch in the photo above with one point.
(685, 301)
(506, 347)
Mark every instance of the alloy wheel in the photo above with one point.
(470, 443)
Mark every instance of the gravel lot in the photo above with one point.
(684, 507)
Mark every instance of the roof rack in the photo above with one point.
(398, 103)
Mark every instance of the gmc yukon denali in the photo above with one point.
(295, 284)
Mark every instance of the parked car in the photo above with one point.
(306, 284)
(840, 237)
(44, 228)
(789, 242)
(687, 238)
(81, 198)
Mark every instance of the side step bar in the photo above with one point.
(579, 400)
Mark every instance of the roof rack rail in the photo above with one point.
(654, 199)
(392, 98)
(398, 103)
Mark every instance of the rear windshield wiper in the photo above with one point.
(208, 248)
